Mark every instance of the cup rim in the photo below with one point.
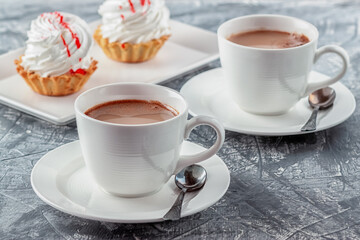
(268, 15)
(82, 114)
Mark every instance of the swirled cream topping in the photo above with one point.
(57, 43)
(134, 21)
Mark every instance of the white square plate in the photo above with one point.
(188, 48)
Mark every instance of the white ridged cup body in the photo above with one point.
(131, 160)
(268, 81)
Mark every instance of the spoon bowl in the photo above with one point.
(319, 100)
(322, 98)
(189, 179)
(192, 178)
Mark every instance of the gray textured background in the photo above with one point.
(294, 187)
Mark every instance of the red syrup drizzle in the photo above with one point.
(73, 35)
(67, 46)
(142, 2)
(66, 26)
(131, 6)
(79, 71)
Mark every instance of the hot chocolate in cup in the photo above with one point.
(270, 80)
(132, 152)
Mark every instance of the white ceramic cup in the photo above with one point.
(271, 81)
(137, 160)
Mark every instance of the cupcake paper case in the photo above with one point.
(133, 30)
(56, 60)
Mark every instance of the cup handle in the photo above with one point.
(192, 123)
(313, 86)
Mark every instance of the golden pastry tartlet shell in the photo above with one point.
(61, 85)
(127, 52)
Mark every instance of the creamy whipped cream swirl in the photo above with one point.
(134, 21)
(57, 43)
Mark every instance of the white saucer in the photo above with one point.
(206, 95)
(61, 180)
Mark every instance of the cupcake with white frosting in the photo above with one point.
(56, 60)
(133, 30)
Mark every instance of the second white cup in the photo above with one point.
(272, 81)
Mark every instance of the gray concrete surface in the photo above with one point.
(293, 187)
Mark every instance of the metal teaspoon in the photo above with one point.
(319, 100)
(189, 179)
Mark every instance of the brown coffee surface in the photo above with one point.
(269, 39)
(131, 112)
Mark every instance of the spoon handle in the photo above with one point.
(310, 125)
(175, 211)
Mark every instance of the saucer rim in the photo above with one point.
(224, 172)
(271, 132)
